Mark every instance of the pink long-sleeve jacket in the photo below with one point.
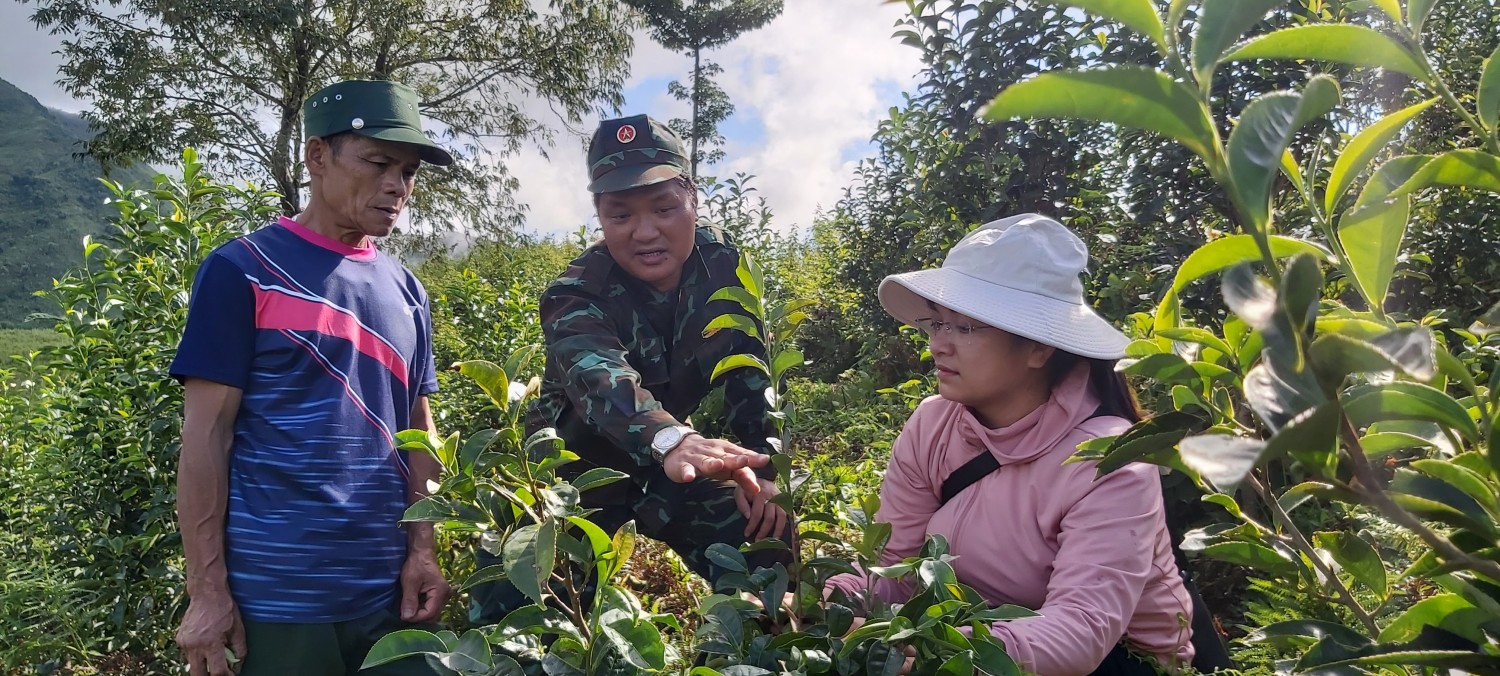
(1092, 556)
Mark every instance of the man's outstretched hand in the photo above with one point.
(717, 459)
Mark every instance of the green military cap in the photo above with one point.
(631, 152)
(378, 109)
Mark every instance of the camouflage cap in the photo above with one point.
(378, 109)
(631, 152)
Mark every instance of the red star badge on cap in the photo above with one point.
(625, 134)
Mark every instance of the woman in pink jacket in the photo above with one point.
(1025, 372)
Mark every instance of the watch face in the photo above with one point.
(667, 438)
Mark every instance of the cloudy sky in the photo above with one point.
(808, 90)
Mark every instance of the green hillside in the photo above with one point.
(49, 199)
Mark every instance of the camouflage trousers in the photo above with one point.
(689, 518)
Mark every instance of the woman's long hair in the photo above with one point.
(1116, 398)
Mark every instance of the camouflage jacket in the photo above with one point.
(625, 361)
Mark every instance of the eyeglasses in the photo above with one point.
(932, 326)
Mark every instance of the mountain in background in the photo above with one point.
(49, 200)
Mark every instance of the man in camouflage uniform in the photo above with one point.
(627, 364)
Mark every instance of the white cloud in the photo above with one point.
(809, 85)
(812, 81)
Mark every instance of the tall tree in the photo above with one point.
(229, 78)
(693, 27)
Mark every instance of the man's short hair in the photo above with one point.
(336, 142)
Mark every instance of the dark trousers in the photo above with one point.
(1122, 662)
(705, 514)
(327, 649)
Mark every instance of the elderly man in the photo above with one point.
(306, 350)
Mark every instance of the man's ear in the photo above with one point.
(317, 154)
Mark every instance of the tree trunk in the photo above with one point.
(283, 164)
(697, 72)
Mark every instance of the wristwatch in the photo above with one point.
(667, 439)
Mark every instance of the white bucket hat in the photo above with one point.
(1018, 274)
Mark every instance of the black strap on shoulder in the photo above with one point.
(980, 467)
(965, 476)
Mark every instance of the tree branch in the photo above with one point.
(1300, 541)
(1369, 486)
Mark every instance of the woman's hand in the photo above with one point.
(763, 519)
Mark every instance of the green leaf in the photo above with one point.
(598, 539)
(1471, 169)
(1193, 334)
(1409, 401)
(418, 440)
(1389, 176)
(785, 361)
(483, 575)
(1227, 252)
(1392, 8)
(739, 323)
(991, 658)
(1226, 502)
(1139, 15)
(623, 546)
(740, 295)
(1220, 23)
(1166, 368)
(473, 447)
(1489, 93)
(1223, 460)
(631, 636)
(529, 555)
(1493, 447)
(1254, 555)
(1311, 438)
(520, 359)
(1356, 155)
(430, 509)
(535, 620)
(1486, 324)
(1296, 495)
(1342, 43)
(1139, 98)
(401, 644)
(1150, 437)
(1410, 349)
(1436, 611)
(1301, 287)
(1439, 500)
(1417, 12)
(489, 377)
(1465, 480)
(1294, 173)
(1278, 397)
(735, 361)
(1262, 135)
(1371, 238)
(727, 557)
(961, 664)
(596, 477)
(1309, 631)
(1357, 558)
(476, 648)
(1383, 443)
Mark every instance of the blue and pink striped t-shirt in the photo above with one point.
(331, 346)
